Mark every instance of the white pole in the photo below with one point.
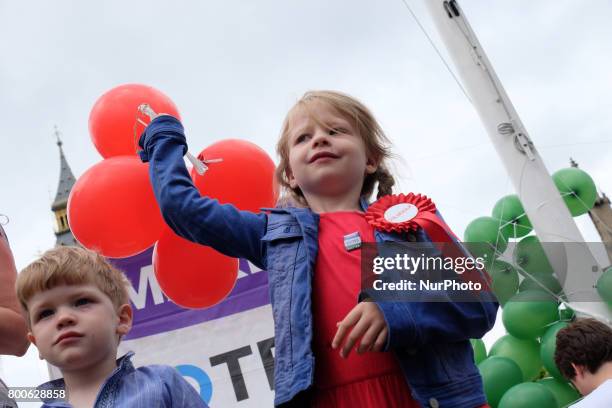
(543, 204)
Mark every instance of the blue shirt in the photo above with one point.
(143, 387)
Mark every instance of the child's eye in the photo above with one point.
(336, 130)
(44, 314)
(301, 138)
(82, 301)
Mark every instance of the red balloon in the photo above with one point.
(112, 121)
(112, 209)
(244, 178)
(193, 276)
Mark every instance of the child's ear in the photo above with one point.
(371, 165)
(290, 178)
(125, 315)
(578, 369)
(32, 340)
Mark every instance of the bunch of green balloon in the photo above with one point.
(484, 239)
(510, 212)
(505, 280)
(547, 349)
(528, 314)
(563, 392)
(525, 353)
(528, 395)
(499, 374)
(577, 188)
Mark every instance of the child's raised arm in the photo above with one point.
(199, 219)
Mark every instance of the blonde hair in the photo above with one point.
(68, 265)
(375, 140)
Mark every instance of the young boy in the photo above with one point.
(584, 356)
(78, 309)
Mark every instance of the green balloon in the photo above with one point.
(547, 349)
(528, 395)
(505, 280)
(525, 353)
(577, 188)
(480, 351)
(549, 281)
(566, 314)
(499, 374)
(528, 314)
(604, 286)
(510, 210)
(563, 392)
(484, 239)
(529, 255)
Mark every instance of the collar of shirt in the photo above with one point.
(124, 366)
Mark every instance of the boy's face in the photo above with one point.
(76, 326)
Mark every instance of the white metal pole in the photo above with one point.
(543, 204)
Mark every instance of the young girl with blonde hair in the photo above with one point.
(331, 349)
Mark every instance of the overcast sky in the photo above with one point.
(234, 68)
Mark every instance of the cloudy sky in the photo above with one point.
(234, 68)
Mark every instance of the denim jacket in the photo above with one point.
(430, 339)
(129, 387)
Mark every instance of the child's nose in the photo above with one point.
(65, 318)
(320, 137)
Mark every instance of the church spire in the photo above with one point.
(66, 180)
(60, 204)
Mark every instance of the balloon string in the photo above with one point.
(594, 215)
(523, 272)
(515, 219)
(498, 236)
(146, 109)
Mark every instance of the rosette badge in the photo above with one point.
(399, 213)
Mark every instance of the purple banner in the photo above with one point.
(155, 313)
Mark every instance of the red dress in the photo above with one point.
(361, 380)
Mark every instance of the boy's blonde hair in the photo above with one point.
(376, 143)
(68, 265)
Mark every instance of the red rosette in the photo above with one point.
(399, 213)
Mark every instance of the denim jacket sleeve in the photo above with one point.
(414, 324)
(199, 219)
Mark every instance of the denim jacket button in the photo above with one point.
(433, 403)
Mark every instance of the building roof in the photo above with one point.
(66, 179)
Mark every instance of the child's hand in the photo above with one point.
(369, 325)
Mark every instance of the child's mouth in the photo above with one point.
(68, 337)
(322, 156)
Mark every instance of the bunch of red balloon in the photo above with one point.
(112, 209)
